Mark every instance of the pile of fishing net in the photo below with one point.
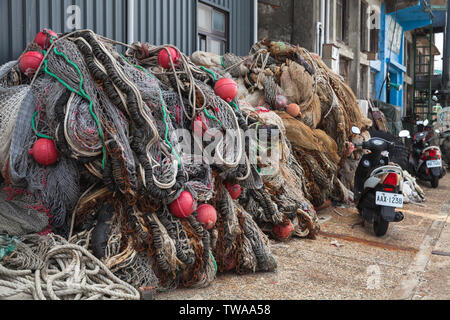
(317, 108)
(131, 171)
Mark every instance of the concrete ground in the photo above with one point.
(348, 262)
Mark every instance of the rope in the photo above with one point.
(69, 272)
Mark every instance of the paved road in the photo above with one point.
(411, 262)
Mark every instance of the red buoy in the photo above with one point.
(230, 263)
(207, 215)
(234, 190)
(164, 59)
(44, 152)
(183, 207)
(29, 62)
(293, 110)
(42, 39)
(227, 89)
(283, 231)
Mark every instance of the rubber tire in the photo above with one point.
(434, 182)
(380, 226)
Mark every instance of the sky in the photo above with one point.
(440, 45)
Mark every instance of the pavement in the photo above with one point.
(348, 262)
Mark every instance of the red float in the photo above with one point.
(293, 110)
(207, 215)
(229, 264)
(283, 231)
(164, 59)
(44, 152)
(30, 62)
(227, 89)
(234, 190)
(42, 39)
(183, 207)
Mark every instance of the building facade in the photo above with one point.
(370, 43)
(213, 25)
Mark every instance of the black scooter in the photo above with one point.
(379, 185)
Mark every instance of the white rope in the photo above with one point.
(70, 272)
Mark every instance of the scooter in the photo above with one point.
(443, 119)
(378, 184)
(444, 144)
(426, 159)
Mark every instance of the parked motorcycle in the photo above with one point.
(379, 184)
(443, 119)
(426, 158)
(444, 144)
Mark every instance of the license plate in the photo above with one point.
(389, 200)
(434, 164)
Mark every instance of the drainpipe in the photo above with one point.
(320, 26)
(255, 19)
(130, 21)
(327, 20)
(446, 71)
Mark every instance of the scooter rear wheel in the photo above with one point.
(380, 226)
(434, 182)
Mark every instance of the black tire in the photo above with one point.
(434, 182)
(380, 226)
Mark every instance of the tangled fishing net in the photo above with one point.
(98, 223)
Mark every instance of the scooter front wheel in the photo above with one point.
(380, 226)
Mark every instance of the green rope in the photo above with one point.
(214, 261)
(7, 250)
(222, 62)
(212, 117)
(210, 72)
(81, 93)
(234, 105)
(164, 108)
(35, 130)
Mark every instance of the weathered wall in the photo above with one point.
(291, 21)
(275, 19)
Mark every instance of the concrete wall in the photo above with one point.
(291, 21)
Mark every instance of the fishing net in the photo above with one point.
(132, 137)
(20, 213)
(10, 102)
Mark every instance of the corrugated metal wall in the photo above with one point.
(20, 20)
(156, 21)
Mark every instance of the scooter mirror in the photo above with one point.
(426, 122)
(405, 134)
(437, 131)
(356, 130)
(419, 123)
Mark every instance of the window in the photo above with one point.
(344, 68)
(341, 20)
(364, 32)
(212, 29)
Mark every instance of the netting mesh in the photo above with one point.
(127, 131)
